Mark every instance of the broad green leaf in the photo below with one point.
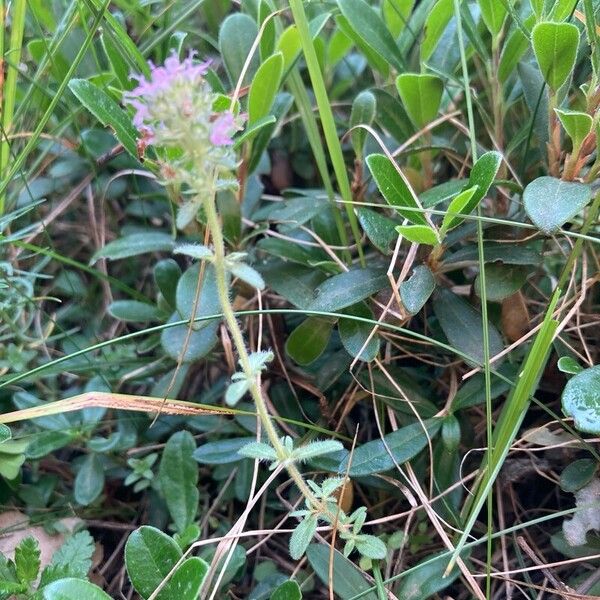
(267, 40)
(551, 202)
(134, 311)
(508, 254)
(562, 9)
(391, 115)
(578, 474)
(435, 24)
(513, 49)
(370, 27)
(394, 187)
(396, 14)
(289, 44)
(236, 36)
(89, 481)
(222, 452)
(403, 444)
(501, 281)
(442, 192)
(73, 589)
(296, 283)
(363, 112)
(482, 175)
(308, 341)
(253, 130)
(458, 206)
(421, 95)
(200, 342)
(577, 125)
(427, 579)
(380, 230)
(150, 555)
(135, 244)
(348, 580)
(348, 288)
(354, 334)
(418, 234)
(166, 275)
(10, 464)
(567, 364)
(555, 47)
(581, 400)
(178, 478)
(493, 13)
(463, 326)
(186, 582)
(107, 111)
(415, 291)
(288, 590)
(264, 87)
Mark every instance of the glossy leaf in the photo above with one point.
(551, 202)
(493, 14)
(288, 590)
(73, 589)
(418, 234)
(308, 341)
(581, 400)
(354, 334)
(363, 112)
(458, 206)
(577, 125)
(463, 327)
(178, 478)
(107, 111)
(395, 188)
(421, 95)
(89, 481)
(555, 47)
(236, 36)
(370, 27)
(567, 364)
(403, 444)
(380, 230)
(347, 288)
(264, 87)
(348, 580)
(133, 311)
(416, 290)
(435, 24)
(482, 175)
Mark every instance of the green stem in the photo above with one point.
(212, 221)
(327, 119)
(10, 84)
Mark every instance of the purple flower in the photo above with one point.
(222, 129)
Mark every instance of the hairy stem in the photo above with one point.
(212, 220)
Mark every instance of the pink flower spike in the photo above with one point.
(222, 129)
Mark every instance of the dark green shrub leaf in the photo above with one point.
(308, 341)
(421, 95)
(415, 291)
(501, 281)
(348, 581)
(435, 24)
(380, 229)
(578, 474)
(5, 433)
(354, 333)
(363, 112)
(107, 111)
(347, 288)
(372, 30)
(289, 590)
(236, 36)
(89, 481)
(404, 444)
(73, 589)
(566, 364)
(166, 275)
(134, 311)
(555, 46)
(178, 477)
(581, 400)
(427, 579)
(551, 202)
(135, 244)
(463, 326)
(222, 452)
(395, 188)
(264, 87)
